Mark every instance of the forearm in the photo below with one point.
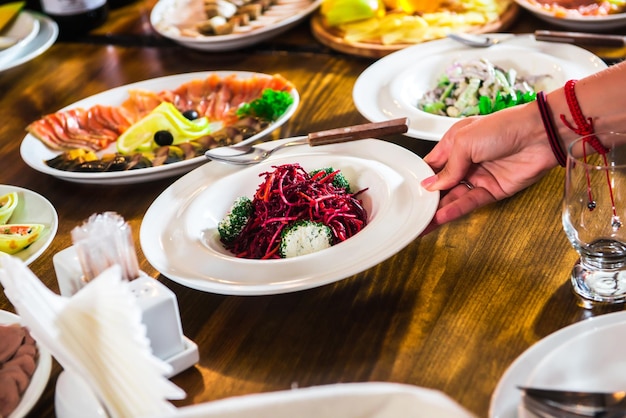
(601, 97)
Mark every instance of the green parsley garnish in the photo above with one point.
(270, 106)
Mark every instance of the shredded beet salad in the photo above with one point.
(289, 194)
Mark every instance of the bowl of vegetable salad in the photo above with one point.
(479, 87)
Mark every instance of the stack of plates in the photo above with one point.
(29, 35)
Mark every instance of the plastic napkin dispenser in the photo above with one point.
(160, 316)
(158, 305)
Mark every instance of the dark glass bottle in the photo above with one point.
(76, 17)
(116, 4)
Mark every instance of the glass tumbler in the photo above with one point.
(594, 211)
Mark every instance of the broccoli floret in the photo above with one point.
(233, 223)
(339, 180)
(304, 237)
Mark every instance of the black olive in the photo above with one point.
(163, 138)
(191, 114)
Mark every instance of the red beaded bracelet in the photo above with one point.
(553, 137)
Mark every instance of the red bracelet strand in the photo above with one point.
(584, 126)
(553, 137)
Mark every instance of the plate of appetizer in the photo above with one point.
(18, 345)
(157, 128)
(395, 25)
(206, 231)
(591, 15)
(28, 223)
(399, 84)
(227, 25)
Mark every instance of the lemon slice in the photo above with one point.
(8, 203)
(9, 11)
(169, 110)
(14, 238)
(337, 12)
(165, 117)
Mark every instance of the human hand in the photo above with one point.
(484, 159)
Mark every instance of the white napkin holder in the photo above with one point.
(159, 308)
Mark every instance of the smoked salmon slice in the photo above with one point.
(95, 128)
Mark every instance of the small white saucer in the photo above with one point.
(45, 37)
(22, 31)
(74, 399)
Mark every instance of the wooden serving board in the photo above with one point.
(333, 37)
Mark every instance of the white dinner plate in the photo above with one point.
(35, 153)
(578, 23)
(391, 87)
(38, 381)
(23, 30)
(179, 235)
(168, 16)
(33, 209)
(592, 361)
(560, 360)
(45, 37)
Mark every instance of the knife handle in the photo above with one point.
(580, 38)
(366, 130)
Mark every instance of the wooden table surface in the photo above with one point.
(451, 311)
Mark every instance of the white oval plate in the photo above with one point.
(347, 400)
(45, 37)
(580, 23)
(35, 153)
(576, 349)
(391, 87)
(38, 381)
(166, 13)
(22, 31)
(33, 209)
(179, 235)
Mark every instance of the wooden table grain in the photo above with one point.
(451, 311)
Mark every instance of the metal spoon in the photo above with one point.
(247, 154)
(477, 41)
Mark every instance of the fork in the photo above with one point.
(248, 154)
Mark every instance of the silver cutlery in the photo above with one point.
(576, 38)
(569, 404)
(477, 41)
(248, 154)
(581, 38)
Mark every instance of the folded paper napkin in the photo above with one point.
(98, 334)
